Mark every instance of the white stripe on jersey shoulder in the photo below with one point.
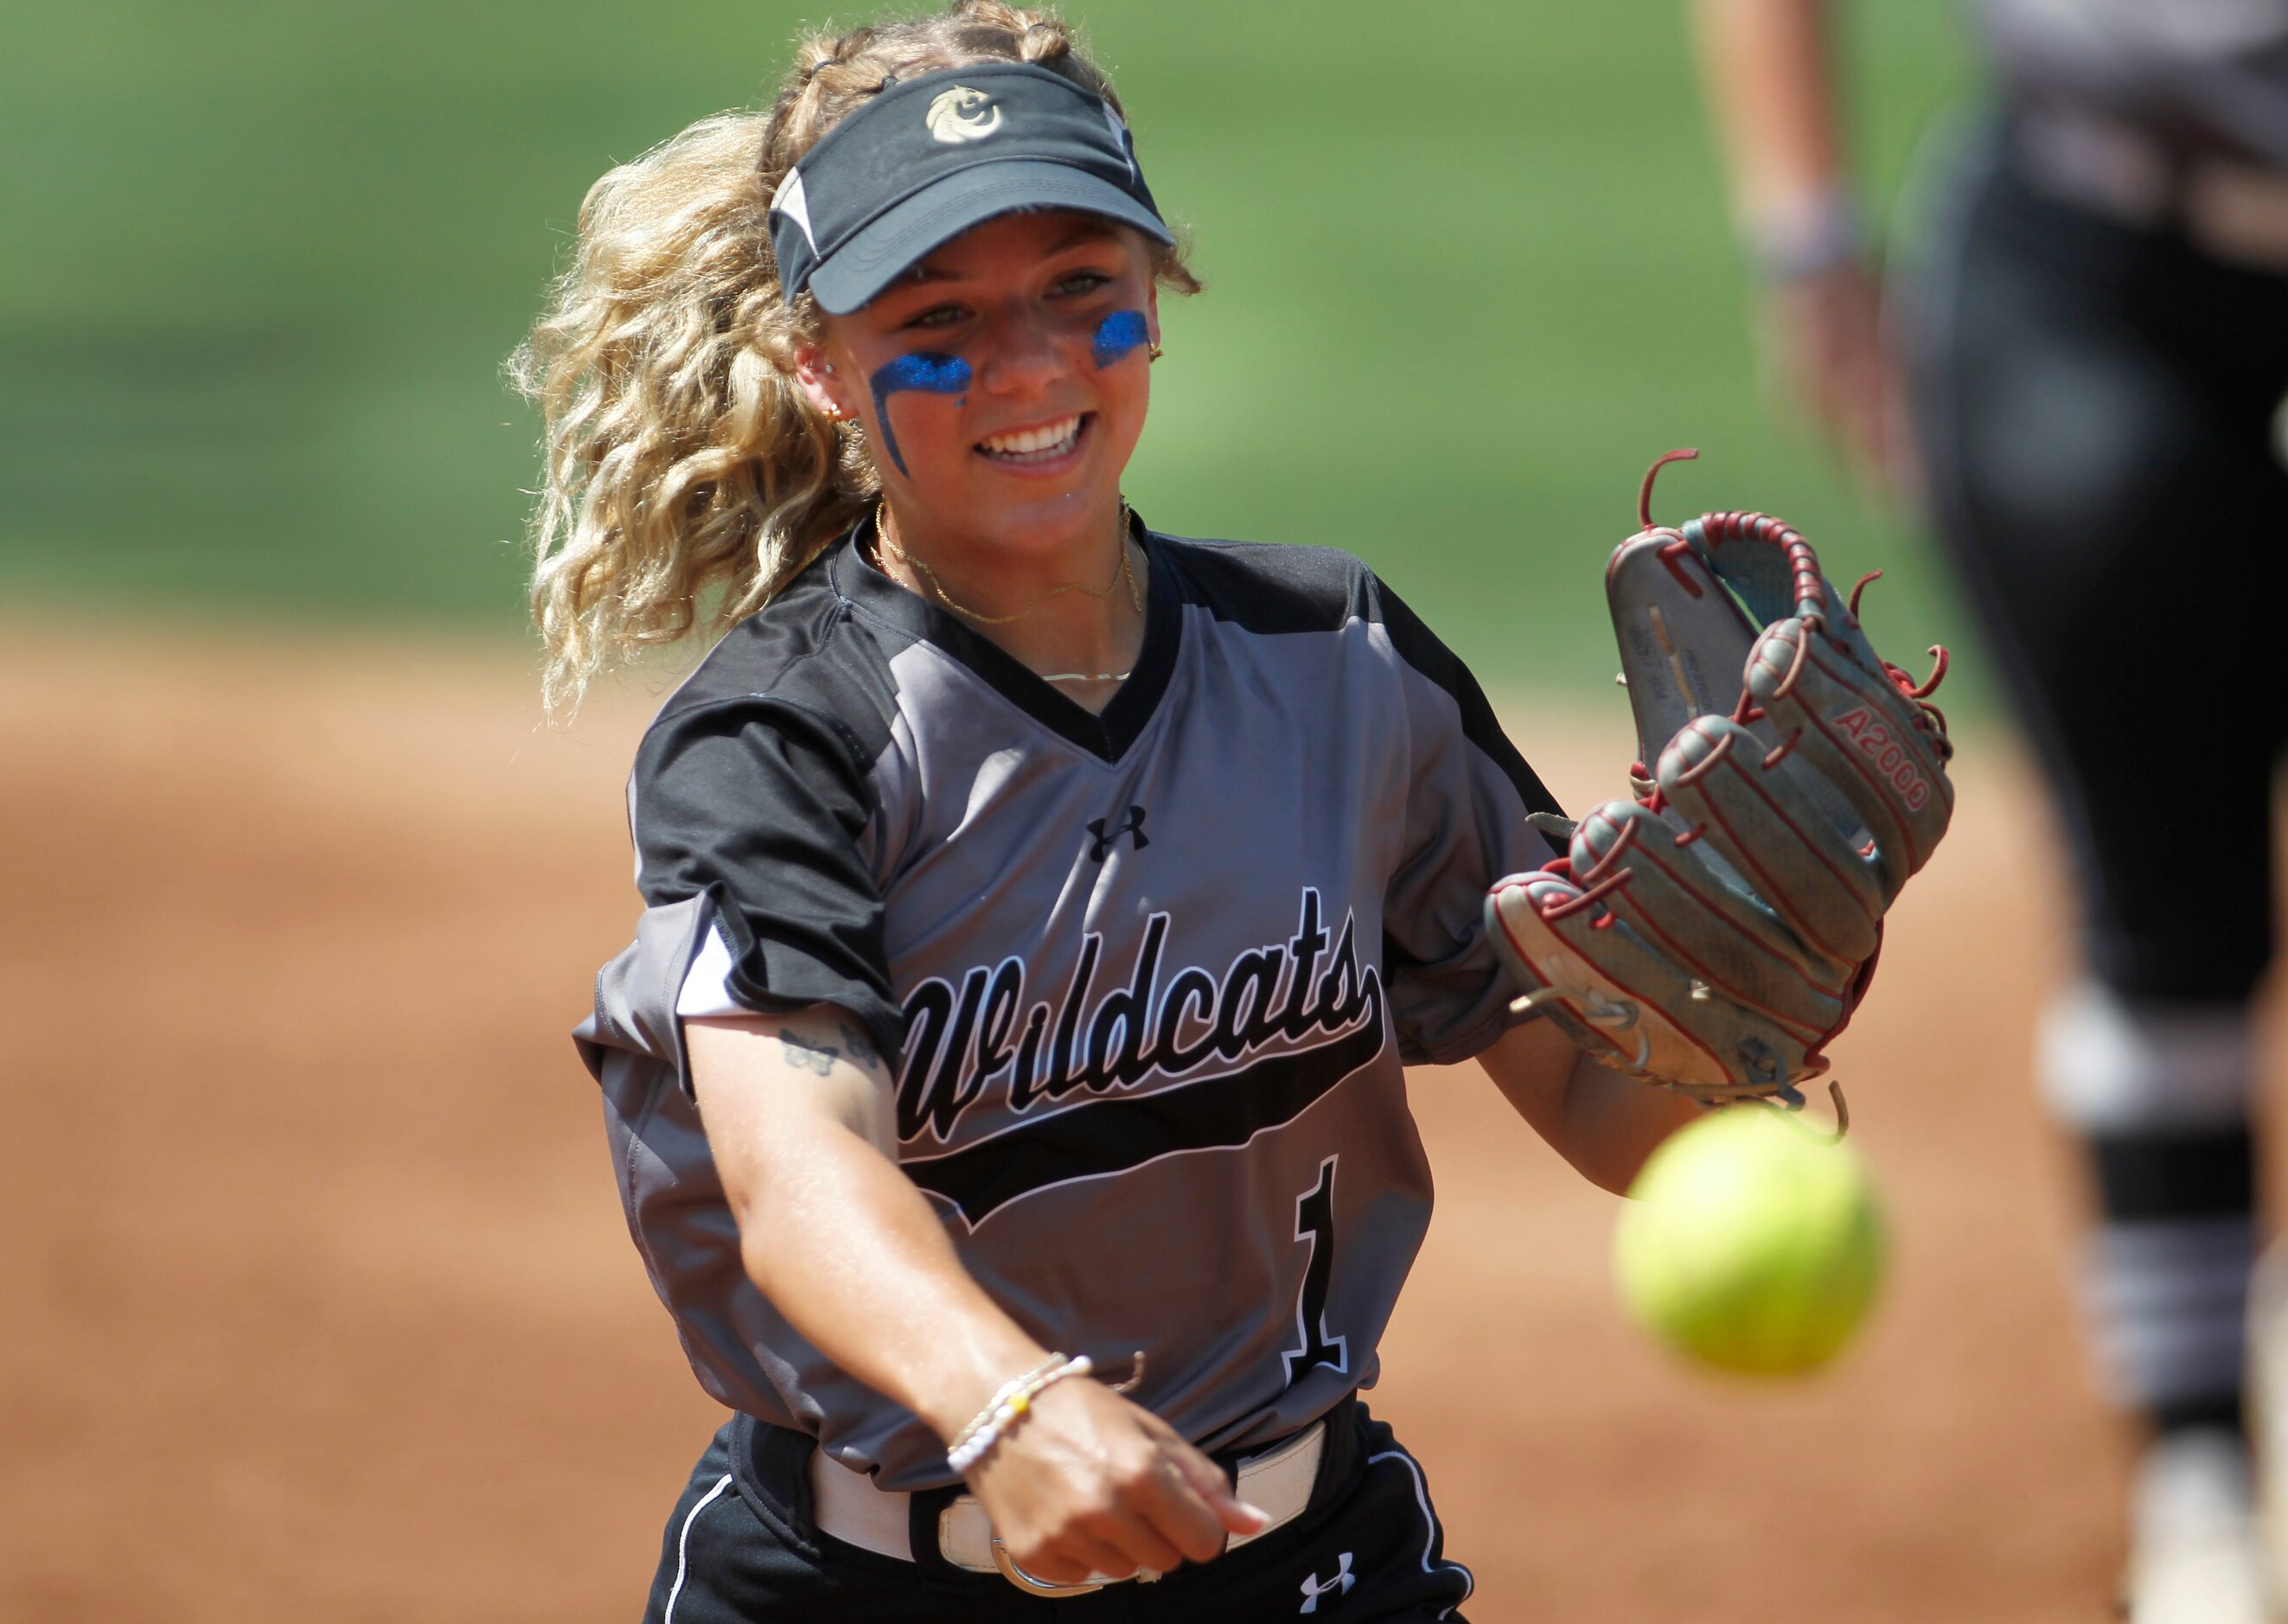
(706, 988)
(683, 1545)
(1429, 1521)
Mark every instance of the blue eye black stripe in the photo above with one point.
(1117, 334)
(923, 370)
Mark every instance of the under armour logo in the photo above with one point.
(1313, 1588)
(1104, 842)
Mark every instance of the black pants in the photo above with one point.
(2096, 406)
(741, 1549)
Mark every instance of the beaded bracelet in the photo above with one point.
(1008, 1407)
(1001, 1395)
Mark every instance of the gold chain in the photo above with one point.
(1135, 592)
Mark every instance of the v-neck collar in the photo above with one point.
(1106, 734)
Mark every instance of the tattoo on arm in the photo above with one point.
(861, 1046)
(818, 1057)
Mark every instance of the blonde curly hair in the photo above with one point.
(685, 477)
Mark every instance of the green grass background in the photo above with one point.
(1469, 271)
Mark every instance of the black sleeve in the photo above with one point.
(762, 805)
(1467, 796)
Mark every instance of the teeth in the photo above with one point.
(1054, 438)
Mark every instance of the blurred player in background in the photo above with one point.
(2082, 373)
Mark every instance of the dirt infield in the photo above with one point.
(318, 1304)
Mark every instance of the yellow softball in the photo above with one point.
(1749, 1245)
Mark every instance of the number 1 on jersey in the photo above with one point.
(1314, 1223)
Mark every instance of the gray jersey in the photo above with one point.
(1150, 976)
(2195, 74)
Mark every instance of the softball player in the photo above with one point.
(2096, 340)
(1004, 1082)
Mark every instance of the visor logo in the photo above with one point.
(962, 115)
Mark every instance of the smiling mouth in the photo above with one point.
(1044, 443)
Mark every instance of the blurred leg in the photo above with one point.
(2160, 1096)
(2094, 405)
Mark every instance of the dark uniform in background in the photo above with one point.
(2096, 335)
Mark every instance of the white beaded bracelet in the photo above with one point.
(1007, 1408)
(1002, 1395)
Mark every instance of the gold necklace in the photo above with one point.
(1135, 592)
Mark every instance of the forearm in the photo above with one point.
(836, 1237)
(1601, 1121)
(850, 1252)
(1767, 65)
(1613, 1122)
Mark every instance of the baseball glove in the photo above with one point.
(1714, 933)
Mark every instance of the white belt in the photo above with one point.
(2236, 211)
(847, 1505)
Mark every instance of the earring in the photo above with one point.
(1153, 353)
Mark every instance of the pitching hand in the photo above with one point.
(1090, 1482)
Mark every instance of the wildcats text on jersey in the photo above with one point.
(1310, 990)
